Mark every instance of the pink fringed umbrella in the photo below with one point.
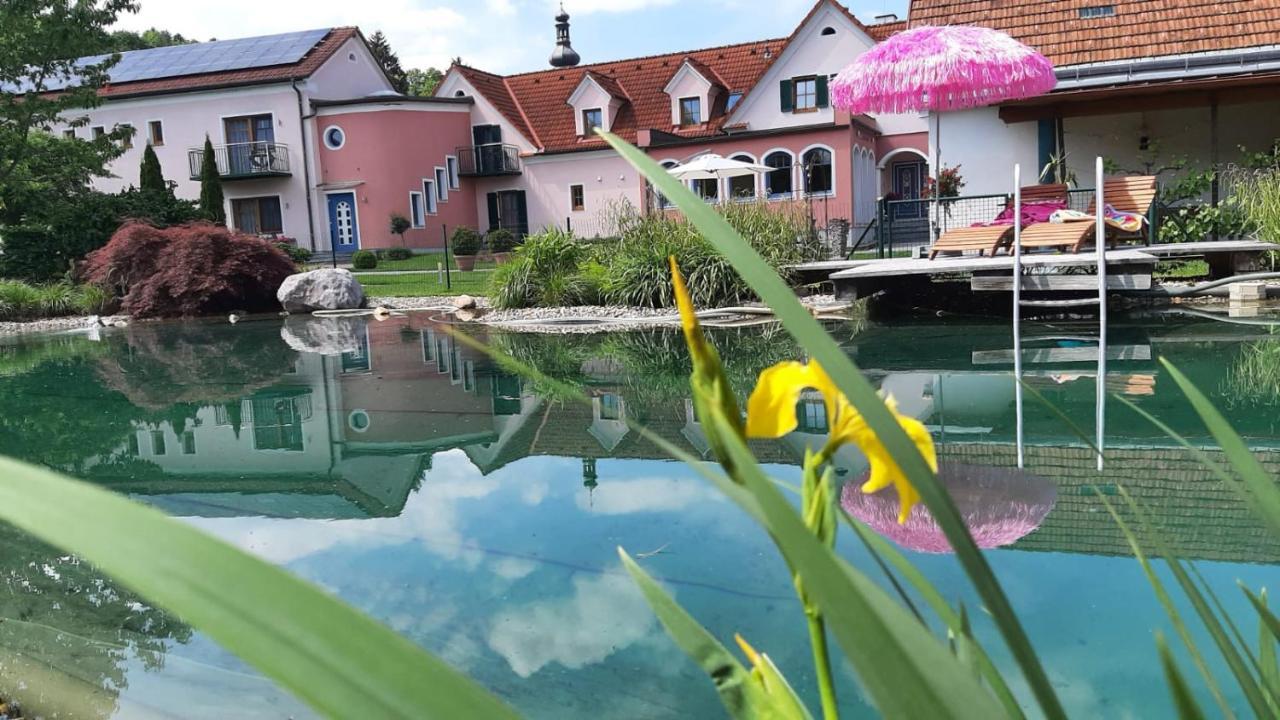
(999, 505)
(941, 68)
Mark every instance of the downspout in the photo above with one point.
(306, 163)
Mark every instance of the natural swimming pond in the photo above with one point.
(478, 514)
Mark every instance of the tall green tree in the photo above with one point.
(151, 177)
(423, 83)
(40, 41)
(125, 40)
(211, 199)
(386, 57)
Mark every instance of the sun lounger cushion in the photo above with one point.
(1124, 221)
(1032, 212)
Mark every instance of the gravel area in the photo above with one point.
(61, 324)
(409, 303)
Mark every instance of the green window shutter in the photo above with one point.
(787, 96)
(822, 96)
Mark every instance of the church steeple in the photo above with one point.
(564, 55)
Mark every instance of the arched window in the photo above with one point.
(828, 30)
(707, 188)
(778, 182)
(743, 187)
(660, 200)
(818, 175)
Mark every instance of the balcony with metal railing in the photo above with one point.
(244, 161)
(488, 160)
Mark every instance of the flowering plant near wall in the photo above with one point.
(949, 183)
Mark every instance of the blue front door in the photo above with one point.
(343, 232)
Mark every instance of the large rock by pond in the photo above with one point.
(328, 289)
(323, 335)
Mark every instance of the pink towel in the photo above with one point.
(1032, 212)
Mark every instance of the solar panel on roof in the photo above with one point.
(214, 56)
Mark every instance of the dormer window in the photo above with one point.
(690, 111)
(592, 118)
(732, 101)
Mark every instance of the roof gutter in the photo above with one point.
(1190, 65)
(306, 162)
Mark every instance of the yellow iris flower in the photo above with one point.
(771, 413)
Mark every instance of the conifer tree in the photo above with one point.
(151, 176)
(211, 199)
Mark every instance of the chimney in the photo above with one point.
(563, 56)
(886, 18)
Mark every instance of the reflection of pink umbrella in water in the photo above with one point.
(999, 505)
(941, 68)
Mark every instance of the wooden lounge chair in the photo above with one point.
(1128, 194)
(990, 238)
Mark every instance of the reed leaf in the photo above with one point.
(331, 656)
(743, 696)
(775, 292)
(1183, 699)
(1258, 488)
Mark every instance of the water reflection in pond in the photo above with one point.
(478, 514)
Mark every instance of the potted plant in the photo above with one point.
(399, 226)
(501, 241)
(466, 245)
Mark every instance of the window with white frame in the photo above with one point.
(742, 187)
(429, 193)
(577, 198)
(416, 210)
(442, 184)
(707, 188)
(778, 182)
(155, 133)
(690, 111)
(817, 168)
(592, 118)
(455, 175)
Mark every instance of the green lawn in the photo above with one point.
(425, 261)
(1182, 269)
(424, 284)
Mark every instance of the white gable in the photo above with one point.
(351, 72)
(810, 53)
(589, 95)
(483, 111)
(688, 82)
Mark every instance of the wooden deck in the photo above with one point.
(1129, 269)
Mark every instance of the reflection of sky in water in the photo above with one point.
(513, 577)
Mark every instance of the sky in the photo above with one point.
(503, 36)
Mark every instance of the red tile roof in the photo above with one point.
(541, 98)
(309, 63)
(1139, 28)
(881, 31)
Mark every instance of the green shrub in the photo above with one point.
(398, 253)
(465, 241)
(550, 268)
(364, 260)
(500, 240)
(298, 255)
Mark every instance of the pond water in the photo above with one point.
(478, 517)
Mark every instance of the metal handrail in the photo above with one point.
(488, 159)
(246, 159)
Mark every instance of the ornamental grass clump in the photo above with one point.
(21, 301)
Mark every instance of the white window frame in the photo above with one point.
(586, 131)
(432, 203)
(766, 193)
(454, 170)
(151, 138)
(324, 137)
(442, 183)
(799, 162)
(584, 197)
(417, 210)
(680, 111)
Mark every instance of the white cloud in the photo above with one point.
(647, 495)
(605, 614)
(500, 7)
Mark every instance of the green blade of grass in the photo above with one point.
(1268, 636)
(933, 598)
(1268, 619)
(905, 670)
(741, 695)
(798, 321)
(1259, 489)
(1248, 684)
(1183, 699)
(1075, 429)
(1171, 610)
(1271, 694)
(328, 654)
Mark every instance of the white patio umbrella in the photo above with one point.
(714, 167)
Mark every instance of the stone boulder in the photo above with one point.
(323, 335)
(326, 289)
